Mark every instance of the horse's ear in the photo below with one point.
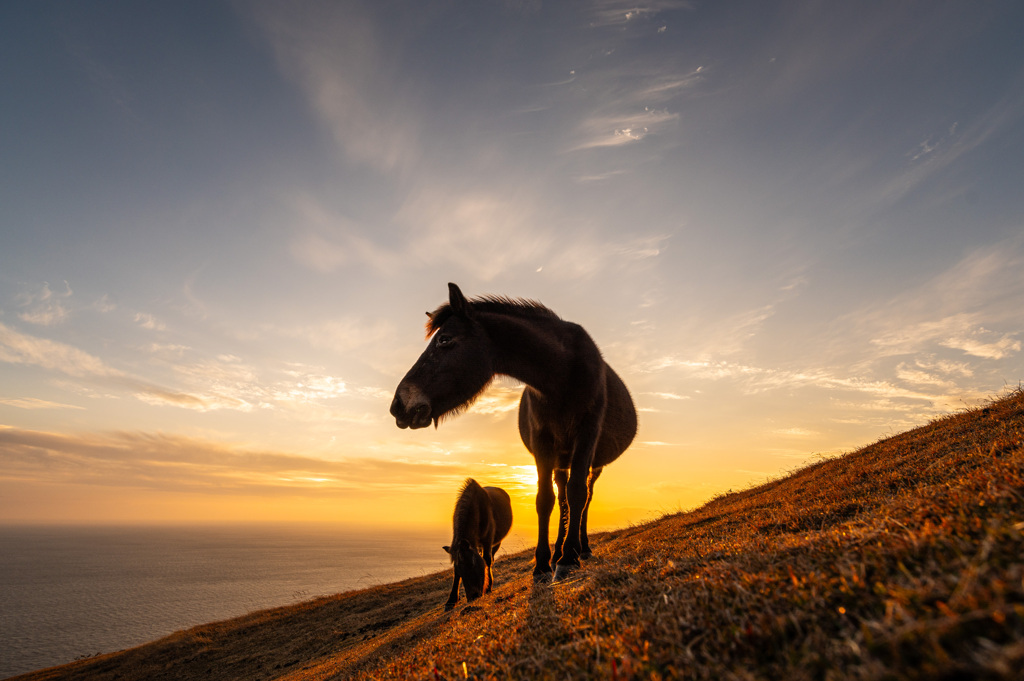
(457, 301)
(447, 549)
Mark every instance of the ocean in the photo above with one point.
(70, 592)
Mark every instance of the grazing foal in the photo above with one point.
(482, 518)
(575, 415)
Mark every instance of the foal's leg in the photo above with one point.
(488, 559)
(453, 597)
(545, 502)
(585, 551)
(561, 475)
(490, 577)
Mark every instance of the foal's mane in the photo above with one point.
(467, 510)
(519, 307)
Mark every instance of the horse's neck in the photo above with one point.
(530, 350)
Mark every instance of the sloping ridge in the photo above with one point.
(904, 559)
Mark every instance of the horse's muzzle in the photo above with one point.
(412, 412)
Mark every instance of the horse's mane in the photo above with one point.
(520, 307)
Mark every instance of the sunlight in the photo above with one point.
(524, 476)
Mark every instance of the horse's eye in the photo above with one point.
(444, 339)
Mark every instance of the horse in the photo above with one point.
(482, 518)
(575, 415)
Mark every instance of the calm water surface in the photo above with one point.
(70, 592)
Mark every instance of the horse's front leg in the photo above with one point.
(545, 502)
(453, 597)
(561, 475)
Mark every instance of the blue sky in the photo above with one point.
(793, 228)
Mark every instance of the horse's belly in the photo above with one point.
(547, 431)
(564, 460)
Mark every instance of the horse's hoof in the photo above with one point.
(563, 572)
(587, 554)
(542, 577)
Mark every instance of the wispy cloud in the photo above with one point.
(149, 322)
(939, 375)
(600, 177)
(935, 154)
(972, 307)
(982, 343)
(20, 348)
(721, 336)
(104, 305)
(753, 380)
(475, 231)
(151, 394)
(794, 432)
(43, 307)
(958, 332)
(659, 88)
(228, 382)
(637, 109)
(33, 403)
(175, 463)
(483, 233)
(366, 340)
(480, 231)
(621, 12)
(618, 130)
(325, 241)
(166, 350)
(351, 77)
(498, 400)
(588, 256)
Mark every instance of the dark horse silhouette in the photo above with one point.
(575, 415)
(482, 518)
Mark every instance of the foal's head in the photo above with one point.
(470, 567)
(456, 366)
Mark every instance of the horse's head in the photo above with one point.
(451, 372)
(470, 567)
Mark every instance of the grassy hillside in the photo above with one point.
(902, 560)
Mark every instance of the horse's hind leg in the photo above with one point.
(561, 475)
(585, 551)
(577, 492)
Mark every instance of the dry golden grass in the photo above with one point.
(902, 560)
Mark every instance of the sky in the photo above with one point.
(792, 228)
